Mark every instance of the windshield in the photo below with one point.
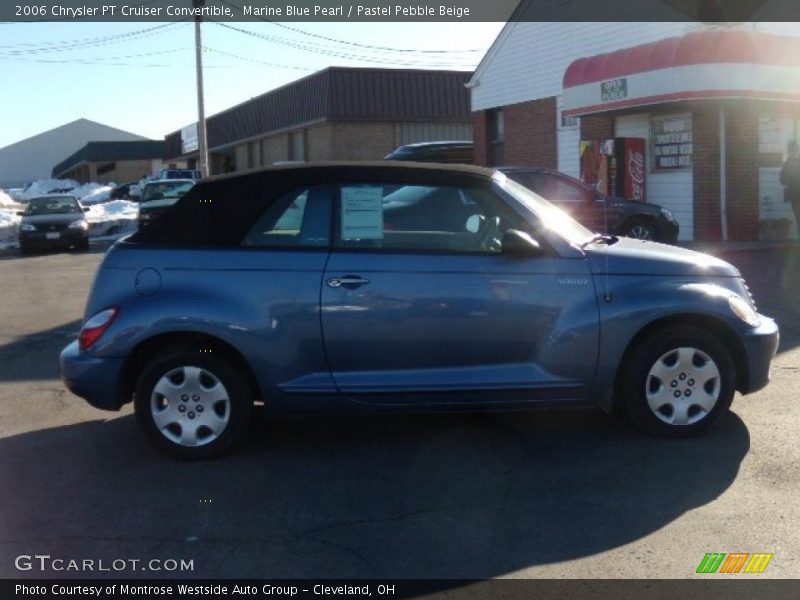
(551, 217)
(53, 205)
(166, 189)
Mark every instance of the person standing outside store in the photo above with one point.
(790, 180)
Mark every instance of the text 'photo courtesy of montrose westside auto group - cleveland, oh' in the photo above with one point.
(409, 299)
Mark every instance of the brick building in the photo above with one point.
(714, 106)
(335, 114)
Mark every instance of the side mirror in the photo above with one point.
(20, 213)
(518, 243)
(86, 209)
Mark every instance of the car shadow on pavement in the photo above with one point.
(443, 496)
(35, 356)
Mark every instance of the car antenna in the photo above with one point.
(607, 296)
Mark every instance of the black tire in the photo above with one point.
(24, 250)
(641, 229)
(84, 245)
(239, 396)
(635, 378)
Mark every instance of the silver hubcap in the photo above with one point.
(683, 386)
(640, 232)
(190, 406)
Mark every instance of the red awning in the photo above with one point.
(760, 64)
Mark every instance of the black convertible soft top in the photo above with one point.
(221, 209)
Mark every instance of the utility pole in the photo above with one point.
(202, 143)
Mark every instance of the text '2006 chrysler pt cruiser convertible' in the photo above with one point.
(375, 286)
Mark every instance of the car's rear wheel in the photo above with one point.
(678, 381)
(641, 229)
(193, 404)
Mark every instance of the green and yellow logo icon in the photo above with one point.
(734, 562)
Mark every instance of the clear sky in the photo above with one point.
(53, 73)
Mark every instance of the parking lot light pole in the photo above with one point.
(201, 111)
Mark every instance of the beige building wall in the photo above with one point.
(361, 141)
(275, 148)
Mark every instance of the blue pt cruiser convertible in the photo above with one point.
(368, 286)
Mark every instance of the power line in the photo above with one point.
(354, 44)
(99, 59)
(339, 54)
(256, 61)
(67, 45)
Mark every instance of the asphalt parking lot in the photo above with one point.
(546, 494)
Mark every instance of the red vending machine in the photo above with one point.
(616, 167)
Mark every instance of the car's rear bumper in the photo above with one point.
(92, 378)
(760, 345)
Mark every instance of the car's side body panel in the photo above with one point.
(434, 325)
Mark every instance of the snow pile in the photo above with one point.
(6, 200)
(112, 220)
(93, 193)
(9, 224)
(87, 193)
(42, 187)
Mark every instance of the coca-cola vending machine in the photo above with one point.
(616, 167)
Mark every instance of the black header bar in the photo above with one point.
(368, 11)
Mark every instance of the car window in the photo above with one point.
(551, 187)
(299, 218)
(55, 205)
(167, 189)
(564, 190)
(423, 218)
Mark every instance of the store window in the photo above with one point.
(496, 136)
(568, 122)
(297, 145)
(672, 143)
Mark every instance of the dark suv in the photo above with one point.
(594, 210)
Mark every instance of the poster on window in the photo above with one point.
(774, 134)
(673, 143)
(362, 213)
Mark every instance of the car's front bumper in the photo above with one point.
(760, 346)
(93, 378)
(66, 237)
(668, 230)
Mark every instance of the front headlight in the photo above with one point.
(667, 214)
(742, 309)
(81, 224)
(27, 227)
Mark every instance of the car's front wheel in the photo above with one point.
(641, 229)
(193, 404)
(678, 381)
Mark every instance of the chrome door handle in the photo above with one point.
(348, 281)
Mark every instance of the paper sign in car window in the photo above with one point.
(362, 213)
